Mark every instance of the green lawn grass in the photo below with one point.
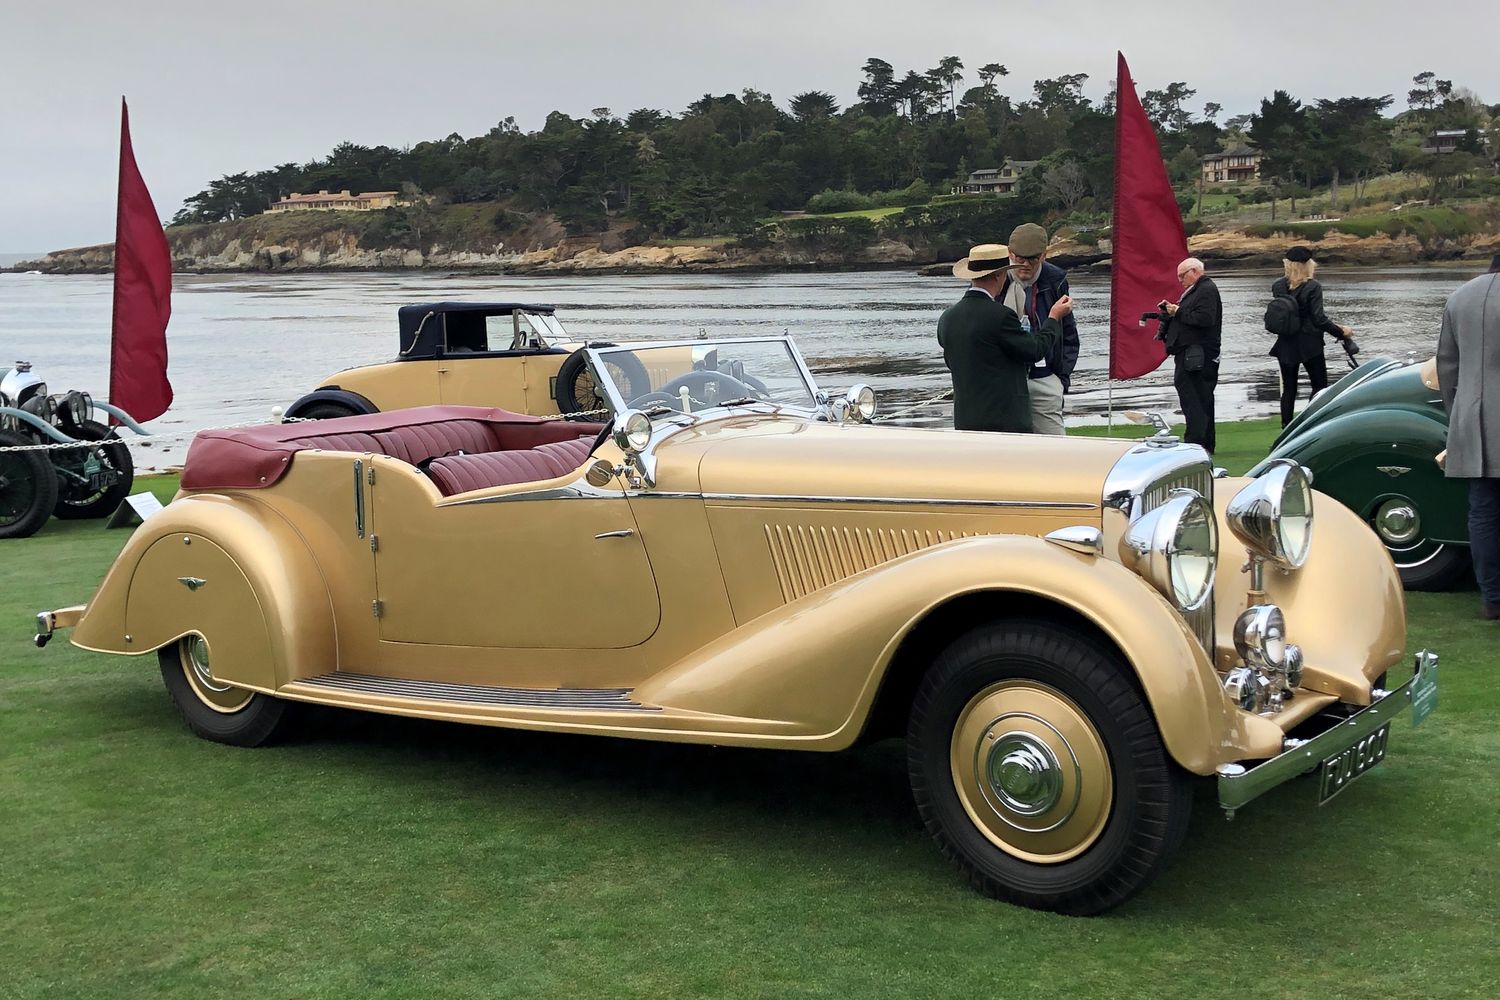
(386, 857)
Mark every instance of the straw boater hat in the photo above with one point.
(983, 261)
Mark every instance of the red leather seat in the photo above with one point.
(421, 442)
(461, 473)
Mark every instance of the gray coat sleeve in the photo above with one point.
(1447, 359)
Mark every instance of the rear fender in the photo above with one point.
(332, 394)
(813, 667)
(229, 569)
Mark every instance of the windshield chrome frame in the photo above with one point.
(596, 355)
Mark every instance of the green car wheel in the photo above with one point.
(1424, 564)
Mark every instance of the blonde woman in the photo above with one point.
(1299, 343)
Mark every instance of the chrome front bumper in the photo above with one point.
(1239, 784)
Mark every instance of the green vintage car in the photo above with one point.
(1374, 440)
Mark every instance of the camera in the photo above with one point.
(1160, 317)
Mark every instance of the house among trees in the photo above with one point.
(1232, 166)
(1444, 140)
(343, 201)
(999, 180)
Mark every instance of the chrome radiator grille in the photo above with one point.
(1200, 479)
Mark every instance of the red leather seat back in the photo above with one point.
(420, 442)
(568, 455)
(461, 473)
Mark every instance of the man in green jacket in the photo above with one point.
(988, 351)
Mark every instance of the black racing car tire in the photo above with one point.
(74, 503)
(28, 487)
(575, 382)
(1016, 716)
(215, 711)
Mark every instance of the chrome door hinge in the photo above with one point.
(370, 475)
(377, 608)
(374, 542)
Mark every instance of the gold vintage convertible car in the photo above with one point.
(511, 355)
(1067, 633)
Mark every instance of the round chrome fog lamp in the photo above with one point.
(1176, 548)
(1273, 515)
(632, 431)
(1243, 688)
(1260, 637)
(860, 400)
(1292, 669)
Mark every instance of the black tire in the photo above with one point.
(327, 411)
(217, 712)
(1422, 563)
(576, 392)
(1113, 829)
(28, 487)
(75, 501)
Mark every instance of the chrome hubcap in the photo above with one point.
(1024, 774)
(1397, 522)
(197, 655)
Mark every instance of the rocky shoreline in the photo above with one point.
(332, 252)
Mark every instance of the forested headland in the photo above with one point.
(775, 182)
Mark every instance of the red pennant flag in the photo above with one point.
(143, 295)
(1149, 241)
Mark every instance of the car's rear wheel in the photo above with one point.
(1039, 770)
(76, 499)
(1423, 563)
(215, 710)
(28, 487)
(578, 394)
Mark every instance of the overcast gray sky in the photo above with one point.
(215, 90)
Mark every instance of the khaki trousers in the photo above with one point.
(1046, 405)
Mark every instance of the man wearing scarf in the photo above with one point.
(1031, 289)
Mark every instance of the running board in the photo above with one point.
(570, 699)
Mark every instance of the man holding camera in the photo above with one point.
(1192, 330)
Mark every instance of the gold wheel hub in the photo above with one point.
(1031, 771)
(215, 694)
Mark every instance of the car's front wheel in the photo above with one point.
(1423, 563)
(79, 495)
(1038, 769)
(215, 710)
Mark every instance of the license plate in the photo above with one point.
(100, 480)
(1339, 771)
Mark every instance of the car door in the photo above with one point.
(526, 568)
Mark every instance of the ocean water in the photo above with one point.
(241, 344)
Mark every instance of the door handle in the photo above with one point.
(622, 533)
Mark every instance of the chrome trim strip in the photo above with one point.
(1239, 784)
(574, 699)
(580, 490)
(911, 501)
(359, 497)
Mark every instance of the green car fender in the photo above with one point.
(1365, 457)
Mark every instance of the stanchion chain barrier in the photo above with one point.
(940, 397)
(153, 438)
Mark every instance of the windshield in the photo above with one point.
(700, 374)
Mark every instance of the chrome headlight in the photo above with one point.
(1292, 669)
(860, 400)
(1176, 548)
(80, 406)
(1244, 688)
(1260, 637)
(1273, 515)
(632, 431)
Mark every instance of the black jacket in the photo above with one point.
(1308, 342)
(990, 355)
(1051, 285)
(1199, 320)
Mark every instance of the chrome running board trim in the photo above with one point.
(571, 699)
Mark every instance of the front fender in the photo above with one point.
(814, 665)
(229, 569)
(1366, 456)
